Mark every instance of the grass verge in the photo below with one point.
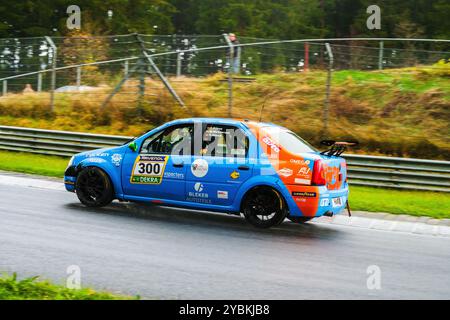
(51, 166)
(417, 203)
(12, 288)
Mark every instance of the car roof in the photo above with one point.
(225, 121)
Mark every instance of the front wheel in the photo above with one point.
(264, 207)
(94, 188)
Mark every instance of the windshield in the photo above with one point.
(289, 140)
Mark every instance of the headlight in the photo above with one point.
(71, 161)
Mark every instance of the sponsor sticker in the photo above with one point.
(199, 168)
(302, 181)
(222, 194)
(97, 154)
(174, 175)
(198, 194)
(285, 172)
(304, 194)
(235, 175)
(148, 169)
(272, 145)
(116, 159)
(300, 162)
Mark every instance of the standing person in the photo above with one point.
(235, 64)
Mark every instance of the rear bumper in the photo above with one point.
(327, 205)
(318, 201)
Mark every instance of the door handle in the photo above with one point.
(244, 168)
(178, 165)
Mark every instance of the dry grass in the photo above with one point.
(401, 112)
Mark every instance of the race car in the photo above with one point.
(261, 170)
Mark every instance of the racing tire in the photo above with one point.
(264, 207)
(94, 188)
(299, 219)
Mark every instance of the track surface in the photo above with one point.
(166, 253)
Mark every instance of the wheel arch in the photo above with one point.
(267, 186)
(112, 172)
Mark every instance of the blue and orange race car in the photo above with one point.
(262, 170)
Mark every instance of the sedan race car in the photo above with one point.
(264, 171)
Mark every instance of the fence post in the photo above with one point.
(164, 79)
(179, 64)
(306, 67)
(380, 56)
(328, 88)
(125, 68)
(53, 81)
(5, 87)
(141, 66)
(78, 78)
(230, 74)
(39, 82)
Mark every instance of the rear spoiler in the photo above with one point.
(336, 147)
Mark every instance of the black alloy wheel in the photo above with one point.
(94, 188)
(264, 207)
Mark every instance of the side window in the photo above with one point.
(174, 140)
(224, 141)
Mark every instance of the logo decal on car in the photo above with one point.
(198, 195)
(116, 159)
(148, 169)
(285, 172)
(304, 194)
(199, 168)
(222, 194)
(235, 175)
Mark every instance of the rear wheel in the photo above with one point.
(264, 207)
(300, 219)
(94, 188)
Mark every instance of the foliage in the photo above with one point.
(284, 19)
(11, 288)
(400, 112)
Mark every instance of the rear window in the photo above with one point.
(288, 140)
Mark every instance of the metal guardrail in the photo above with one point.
(404, 173)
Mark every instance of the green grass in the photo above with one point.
(417, 203)
(33, 163)
(12, 288)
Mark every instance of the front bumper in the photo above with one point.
(70, 178)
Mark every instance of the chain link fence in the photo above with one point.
(318, 88)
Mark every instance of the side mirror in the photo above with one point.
(133, 146)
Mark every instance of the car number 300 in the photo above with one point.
(149, 168)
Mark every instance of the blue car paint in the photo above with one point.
(257, 161)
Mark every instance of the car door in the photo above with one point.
(158, 170)
(219, 166)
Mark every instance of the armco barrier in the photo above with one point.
(404, 173)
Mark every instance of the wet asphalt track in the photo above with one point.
(172, 254)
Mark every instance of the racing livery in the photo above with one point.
(262, 170)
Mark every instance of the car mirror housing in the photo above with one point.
(133, 146)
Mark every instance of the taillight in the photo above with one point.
(318, 175)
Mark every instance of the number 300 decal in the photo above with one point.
(148, 169)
